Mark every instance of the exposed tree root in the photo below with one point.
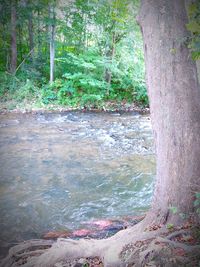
(19, 254)
(187, 248)
(176, 233)
(131, 247)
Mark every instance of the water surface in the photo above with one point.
(59, 171)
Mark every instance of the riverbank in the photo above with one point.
(155, 246)
(32, 107)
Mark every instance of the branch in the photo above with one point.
(23, 61)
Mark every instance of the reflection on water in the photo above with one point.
(61, 170)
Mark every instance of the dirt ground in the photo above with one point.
(156, 247)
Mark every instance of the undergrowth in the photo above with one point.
(81, 85)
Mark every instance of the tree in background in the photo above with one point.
(30, 29)
(13, 63)
(92, 57)
(52, 18)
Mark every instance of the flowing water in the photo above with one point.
(60, 170)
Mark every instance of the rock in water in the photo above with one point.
(57, 234)
(81, 233)
(101, 224)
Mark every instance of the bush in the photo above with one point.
(27, 91)
(81, 81)
(92, 101)
(140, 94)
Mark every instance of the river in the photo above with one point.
(62, 170)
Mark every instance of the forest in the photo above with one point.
(99, 133)
(71, 53)
(75, 53)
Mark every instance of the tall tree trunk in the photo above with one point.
(174, 95)
(20, 43)
(30, 33)
(52, 40)
(110, 56)
(39, 43)
(13, 64)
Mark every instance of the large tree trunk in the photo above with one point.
(13, 64)
(174, 95)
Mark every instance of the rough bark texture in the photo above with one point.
(174, 95)
(198, 69)
(13, 64)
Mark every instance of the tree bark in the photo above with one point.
(198, 69)
(52, 40)
(174, 95)
(39, 42)
(13, 64)
(20, 50)
(110, 56)
(30, 33)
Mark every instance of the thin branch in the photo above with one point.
(23, 61)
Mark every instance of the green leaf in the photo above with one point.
(198, 211)
(170, 226)
(196, 202)
(192, 9)
(193, 26)
(195, 55)
(197, 195)
(174, 210)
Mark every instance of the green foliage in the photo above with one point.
(141, 94)
(197, 202)
(173, 210)
(18, 89)
(91, 100)
(49, 95)
(8, 82)
(84, 81)
(86, 34)
(27, 91)
(170, 226)
(194, 27)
